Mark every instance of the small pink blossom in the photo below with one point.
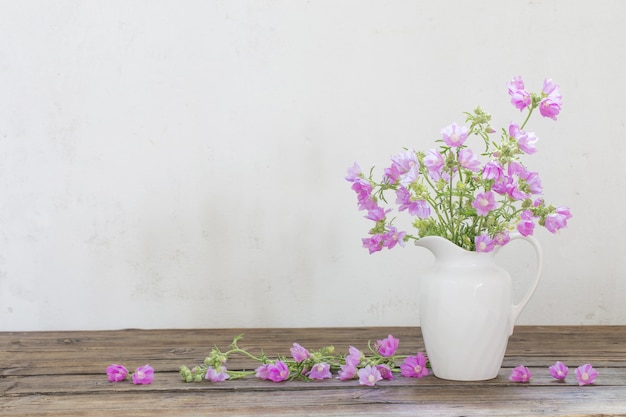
(484, 243)
(387, 347)
(143, 375)
(414, 366)
(525, 140)
(373, 243)
(407, 165)
(385, 371)
(559, 370)
(550, 105)
(520, 374)
(354, 356)
(526, 226)
(377, 214)
(549, 108)
(354, 173)
(484, 203)
(320, 371)
(419, 208)
(363, 190)
(263, 371)
(515, 84)
(558, 220)
(532, 181)
(347, 371)
(393, 237)
(214, 375)
(392, 174)
(433, 161)
(492, 171)
(550, 88)
(116, 373)
(520, 98)
(454, 135)
(502, 238)
(298, 353)
(277, 372)
(469, 160)
(369, 376)
(586, 374)
(528, 143)
(508, 184)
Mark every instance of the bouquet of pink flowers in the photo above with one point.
(474, 199)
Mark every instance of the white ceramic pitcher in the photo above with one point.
(467, 311)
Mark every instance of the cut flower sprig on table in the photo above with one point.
(379, 362)
(473, 197)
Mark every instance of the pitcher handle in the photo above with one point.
(517, 308)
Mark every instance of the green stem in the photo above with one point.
(527, 117)
(243, 352)
(450, 206)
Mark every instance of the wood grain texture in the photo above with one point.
(63, 374)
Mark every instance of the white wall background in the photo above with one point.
(181, 163)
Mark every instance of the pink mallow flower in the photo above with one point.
(354, 173)
(526, 226)
(387, 347)
(484, 243)
(299, 353)
(502, 238)
(414, 366)
(520, 374)
(434, 162)
(116, 373)
(385, 372)
(533, 181)
(347, 371)
(419, 208)
(354, 356)
(277, 371)
(214, 375)
(377, 214)
(263, 371)
(143, 375)
(454, 135)
(586, 374)
(520, 98)
(484, 203)
(320, 371)
(559, 370)
(369, 376)
(393, 237)
(525, 140)
(469, 160)
(363, 190)
(373, 243)
(493, 171)
(558, 220)
(550, 105)
(407, 165)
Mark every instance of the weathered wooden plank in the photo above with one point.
(388, 401)
(63, 373)
(523, 341)
(50, 353)
(579, 340)
(171, 382)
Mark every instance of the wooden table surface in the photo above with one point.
(63, 374)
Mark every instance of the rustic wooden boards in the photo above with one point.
(63, 373)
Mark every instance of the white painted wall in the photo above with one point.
(181, 163)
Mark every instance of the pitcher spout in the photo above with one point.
(443, 249)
